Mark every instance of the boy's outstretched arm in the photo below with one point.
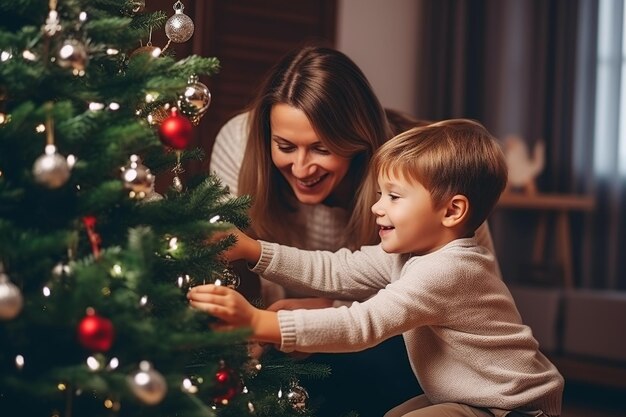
(231, 307)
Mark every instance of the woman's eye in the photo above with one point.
(322, 151)
(285, 148)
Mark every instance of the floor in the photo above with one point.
(582, 400)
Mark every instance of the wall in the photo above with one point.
(382, 40)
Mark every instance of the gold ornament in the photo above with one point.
(137, 178)
(155, 51)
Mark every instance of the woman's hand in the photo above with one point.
(244, 248)
(297, 303)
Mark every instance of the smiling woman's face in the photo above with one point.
(312, 171)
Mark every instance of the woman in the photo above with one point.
(302, 151)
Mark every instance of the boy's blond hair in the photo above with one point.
(450, 157)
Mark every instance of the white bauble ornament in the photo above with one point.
(51, 169)
(179, 28)
(148, 384)
(11, 300)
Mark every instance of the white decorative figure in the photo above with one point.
(523, 167)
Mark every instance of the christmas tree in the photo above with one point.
(94, 263)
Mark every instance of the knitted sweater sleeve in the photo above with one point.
(228, 150)
(342, 274)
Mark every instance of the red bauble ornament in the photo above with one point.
(95, 332)
(176, 131)
(227, 384)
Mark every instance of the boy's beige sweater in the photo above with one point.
(464, 336)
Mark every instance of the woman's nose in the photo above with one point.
(302, 165)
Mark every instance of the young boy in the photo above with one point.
(427, 280)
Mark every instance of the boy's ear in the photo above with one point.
(457, 211)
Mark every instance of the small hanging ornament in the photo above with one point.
(51, 169)
(227, 278)
(295, 396)
(73, 54)
(154, 51)
(137, 178)
(5, 118)
(137, 6)
(226, 385)
(179, 28)
(94, 237)
(156, 116)
(52, 25)
(95, 332)
(148, 384)
(178, 169)
(11, 300)
(176, 131)
(152, 196)
(195, 101)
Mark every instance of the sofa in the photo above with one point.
(582, 331)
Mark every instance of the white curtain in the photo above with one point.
(600, 163)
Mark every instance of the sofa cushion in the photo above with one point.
(595, 324)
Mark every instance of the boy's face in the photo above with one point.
(405, 216)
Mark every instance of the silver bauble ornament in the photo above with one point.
(148, 384)
(296, 397)
(51, 169)
(11, 300)
(138, 6)
(152, 196)
(179, 28)
(137, 178)
(195, 101)
(227, 278)
(73, 54)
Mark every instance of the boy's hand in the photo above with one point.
(232, 308)
(224, 303)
